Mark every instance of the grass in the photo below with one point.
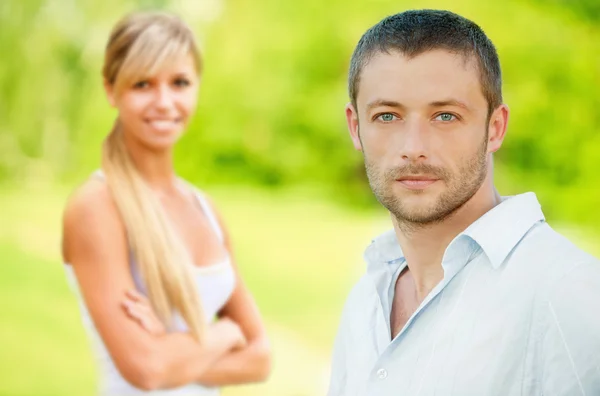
(44, 351)
(298, 253)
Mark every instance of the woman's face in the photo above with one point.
(155, 110)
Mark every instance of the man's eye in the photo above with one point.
(446, 117)
(386, 117)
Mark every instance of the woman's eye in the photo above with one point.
(445, 117)
(141, 84)
(386, 117)
(182, 82)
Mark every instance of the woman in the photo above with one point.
(161, 296)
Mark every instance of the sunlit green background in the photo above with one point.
(269, 143)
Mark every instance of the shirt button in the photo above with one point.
(381, 373)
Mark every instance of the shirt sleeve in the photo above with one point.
(571, 345)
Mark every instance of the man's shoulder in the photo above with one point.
(554, 259)
(362, 296)
(361, 289)
(552, 249)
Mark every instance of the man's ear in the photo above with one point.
(497, 128)
(352, 120)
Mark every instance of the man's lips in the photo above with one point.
(416, 182)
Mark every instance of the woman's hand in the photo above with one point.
(138, 308)
(228, 329)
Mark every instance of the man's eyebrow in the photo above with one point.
(384, 103)
(450, 102)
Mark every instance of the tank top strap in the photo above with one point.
(200, 198)
(98, 174)
(209, 213)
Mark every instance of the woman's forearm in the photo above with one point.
(250, 364)
(177, 359)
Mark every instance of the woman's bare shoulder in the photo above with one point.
(89, 199)
(90, 214)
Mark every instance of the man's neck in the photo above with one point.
(424, 245)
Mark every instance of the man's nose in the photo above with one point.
(414, 141)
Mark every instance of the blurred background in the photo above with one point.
(269, 143)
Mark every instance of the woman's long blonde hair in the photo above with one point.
(139, 45)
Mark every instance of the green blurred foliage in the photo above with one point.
(274, 87)
(270, 115)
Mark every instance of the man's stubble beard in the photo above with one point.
(461, 187)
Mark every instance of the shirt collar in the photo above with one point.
(497, 232)
(383, 250)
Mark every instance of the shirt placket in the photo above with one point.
(458, 254)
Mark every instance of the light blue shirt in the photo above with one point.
(517, 313)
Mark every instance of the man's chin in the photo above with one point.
(418, 217)
(420, 210)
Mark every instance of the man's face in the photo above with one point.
(423, 128)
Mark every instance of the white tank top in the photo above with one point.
(215, 285)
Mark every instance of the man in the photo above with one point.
(470, 294)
